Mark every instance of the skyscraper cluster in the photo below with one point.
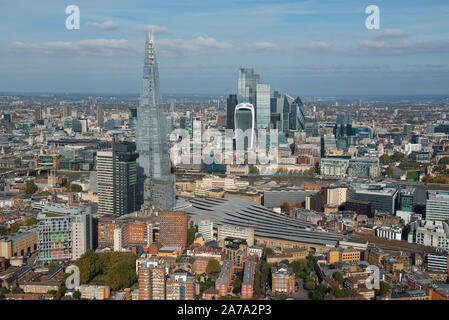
(281, 112)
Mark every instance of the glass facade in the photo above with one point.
(246, 86)
(154, 168)
(263, 106)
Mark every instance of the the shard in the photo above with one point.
(154, 168)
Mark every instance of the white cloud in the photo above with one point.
(114, 27)
(126, 48)
(108, 26)
(402, 47)
(391, 34)
(143, 28)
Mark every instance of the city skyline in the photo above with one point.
(301, 47)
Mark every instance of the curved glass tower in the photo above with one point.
(154, 168)
(244, 120)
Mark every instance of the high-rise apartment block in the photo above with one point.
(117, 179)
(151, 278)
(65, 232)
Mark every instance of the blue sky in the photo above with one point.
(312, 47)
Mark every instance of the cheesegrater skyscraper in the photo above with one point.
(156, 182)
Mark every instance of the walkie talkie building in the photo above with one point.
(154, 168)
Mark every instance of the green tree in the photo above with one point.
(279, 296)
(3, 231)
(4, 290)
(14, 228)
(254, 170)
(52, 265)
(317, 295)
(383, 289)
(120, 276)
(389, 171)
(444, 161)
(341, 293)
(285, 207)
(237, 283)
(321, 288)
(89, 266)
(338, 277)
(310, 284)
(191, 235)
(398, 156)
(385, 159)
(31, 221)
(75, 187)
(213, 266)
(30, 187)
(76, 295)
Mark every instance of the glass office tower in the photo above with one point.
(246, 86)
(263, 105)
(244, 119)
(154, 168)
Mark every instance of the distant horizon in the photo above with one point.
(216, 95)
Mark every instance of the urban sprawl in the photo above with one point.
(355, 207)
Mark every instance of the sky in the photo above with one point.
(310, 47)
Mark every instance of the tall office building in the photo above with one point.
(156, 183)
(66, 111)
(244, 119)
(117, 179)
(230, 109)
(246, 85)
(437, 206)
(263, 105)
(132, 118)
(297, 121)
(173, 229)
(186, 123)
(100, 119)
(90, 107)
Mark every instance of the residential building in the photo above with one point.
(173, 229)
(224, 278)
(117, 179)
(93, 292)
(248, 279)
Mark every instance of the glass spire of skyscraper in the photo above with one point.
(154, 167)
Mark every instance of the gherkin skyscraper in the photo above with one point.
(154, 168)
